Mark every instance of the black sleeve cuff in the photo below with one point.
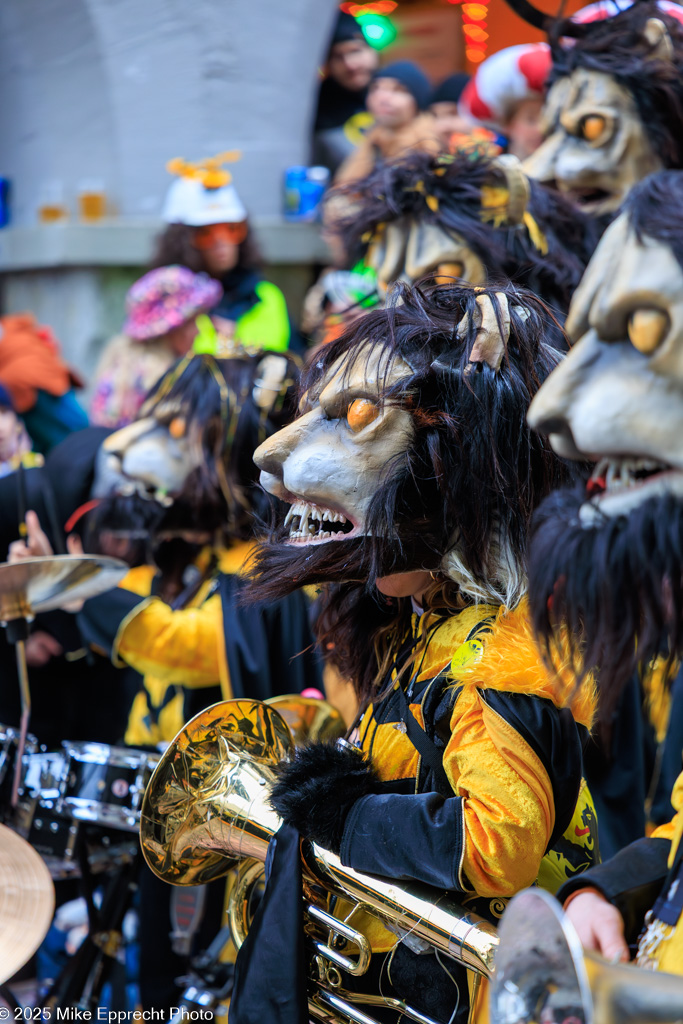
(100, 618)
(405, 836)
(631, 881)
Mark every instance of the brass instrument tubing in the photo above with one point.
(355, 967)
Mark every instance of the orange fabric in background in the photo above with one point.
(30, 361)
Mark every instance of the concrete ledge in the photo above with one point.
(124, 243)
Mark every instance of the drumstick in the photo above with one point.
(21, 500)
(22, 672)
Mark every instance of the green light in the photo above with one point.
(377, 29)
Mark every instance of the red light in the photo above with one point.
(378, 7)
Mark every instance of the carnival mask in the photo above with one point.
(596, 147)
(618, 396)
(331, 461)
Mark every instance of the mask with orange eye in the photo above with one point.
(361, 413)
(647, 329)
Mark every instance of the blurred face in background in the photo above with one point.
(219, 245)
(9, 431)
(448, 121)
(390, 103)
(523, 129)
(179, 339)
(351, 64)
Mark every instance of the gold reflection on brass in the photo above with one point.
(207, 807)
(309, 720)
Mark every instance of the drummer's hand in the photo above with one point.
(599, 925)
(40, 647)
(74, 544)
(35, 545)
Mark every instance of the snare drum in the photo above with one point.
(105, 784)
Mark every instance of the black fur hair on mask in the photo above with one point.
(617, 46)
(470, 478)
(447, 191)
(617, 585)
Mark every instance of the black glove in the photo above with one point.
(315, 792)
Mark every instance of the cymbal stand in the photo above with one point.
(17, 634)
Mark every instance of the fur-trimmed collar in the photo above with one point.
(494, 648)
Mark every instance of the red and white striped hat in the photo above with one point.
(607, 8)
(503, 80)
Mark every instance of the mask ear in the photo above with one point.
(657, 36)
(517, 185)
(492, 335)
(272, 371)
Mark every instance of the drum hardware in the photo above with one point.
(210, 981)
(104, 785)
(206, 808)
(38, 585)
(82, 980)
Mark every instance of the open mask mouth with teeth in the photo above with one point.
(618, 486)
(313, 524)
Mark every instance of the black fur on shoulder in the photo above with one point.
(617, 47)
(617, 586)
(407, 187)
(316, 790)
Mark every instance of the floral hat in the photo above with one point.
(166, 298)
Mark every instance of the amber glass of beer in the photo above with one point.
(92, 200)
(52, 206)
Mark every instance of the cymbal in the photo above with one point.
(27, 902)
(44, 584)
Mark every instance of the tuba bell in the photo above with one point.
(543, 975)
(206, 810)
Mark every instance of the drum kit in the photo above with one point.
(74, 812)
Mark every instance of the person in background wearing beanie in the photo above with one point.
(341, 118)
(397, 96)
(443, 106)
(506, 94)
(208, 230)
(15, 444)
(160, 328)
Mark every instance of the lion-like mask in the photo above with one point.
(189, 450)
(411, 448)
(614, 111)
(467, 217)
(609, 555)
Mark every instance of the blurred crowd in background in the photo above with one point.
(206, 262)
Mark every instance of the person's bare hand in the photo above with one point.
(599, 925)
(35, 545)
(40, 648)
(74, 544)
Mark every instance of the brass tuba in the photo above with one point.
(543, 974)
(206, 809)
